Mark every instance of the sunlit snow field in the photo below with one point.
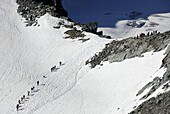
(28, 53)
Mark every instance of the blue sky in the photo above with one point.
(93, 10)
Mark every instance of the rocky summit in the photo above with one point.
(32, 9)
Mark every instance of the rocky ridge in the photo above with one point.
(33, 9)
(117, 51)
(92, 27)
(73, 33)
(158, 105)
(158, 81)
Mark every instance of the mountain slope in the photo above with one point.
(28, 53)
(109, 89)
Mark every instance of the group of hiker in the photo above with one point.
(20, 101)
(148, 34)
(54, 67)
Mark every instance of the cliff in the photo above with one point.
(32, 9)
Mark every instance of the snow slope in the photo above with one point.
(28, 53)
(109, 89)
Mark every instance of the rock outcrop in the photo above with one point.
(32, 9)
(117, 51)
(74, 34)
(159, 81)
(158, 105)
(92, 28)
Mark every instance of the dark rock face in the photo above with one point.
(117, 51)
(57, 4)
(158, 81)
(32, 9)
(50, 2)
(90, 27)
(158, 105)
(74, 34)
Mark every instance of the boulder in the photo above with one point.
(74, 34)
(100, 33)
(90, 27)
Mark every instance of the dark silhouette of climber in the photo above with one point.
(23, 96)
(28, 93)
(60, 63)
(38, 83)
(17, 107)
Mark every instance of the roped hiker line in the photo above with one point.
(29, 93)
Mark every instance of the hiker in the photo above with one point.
(19, 101)
(142, 35)
(53, 68)
(44, 77)
(38, 83)
(23, 96)
(28, 93)
(137, 37)
(148, 34)
(32, 89)
(17, 107)
(60, 63)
